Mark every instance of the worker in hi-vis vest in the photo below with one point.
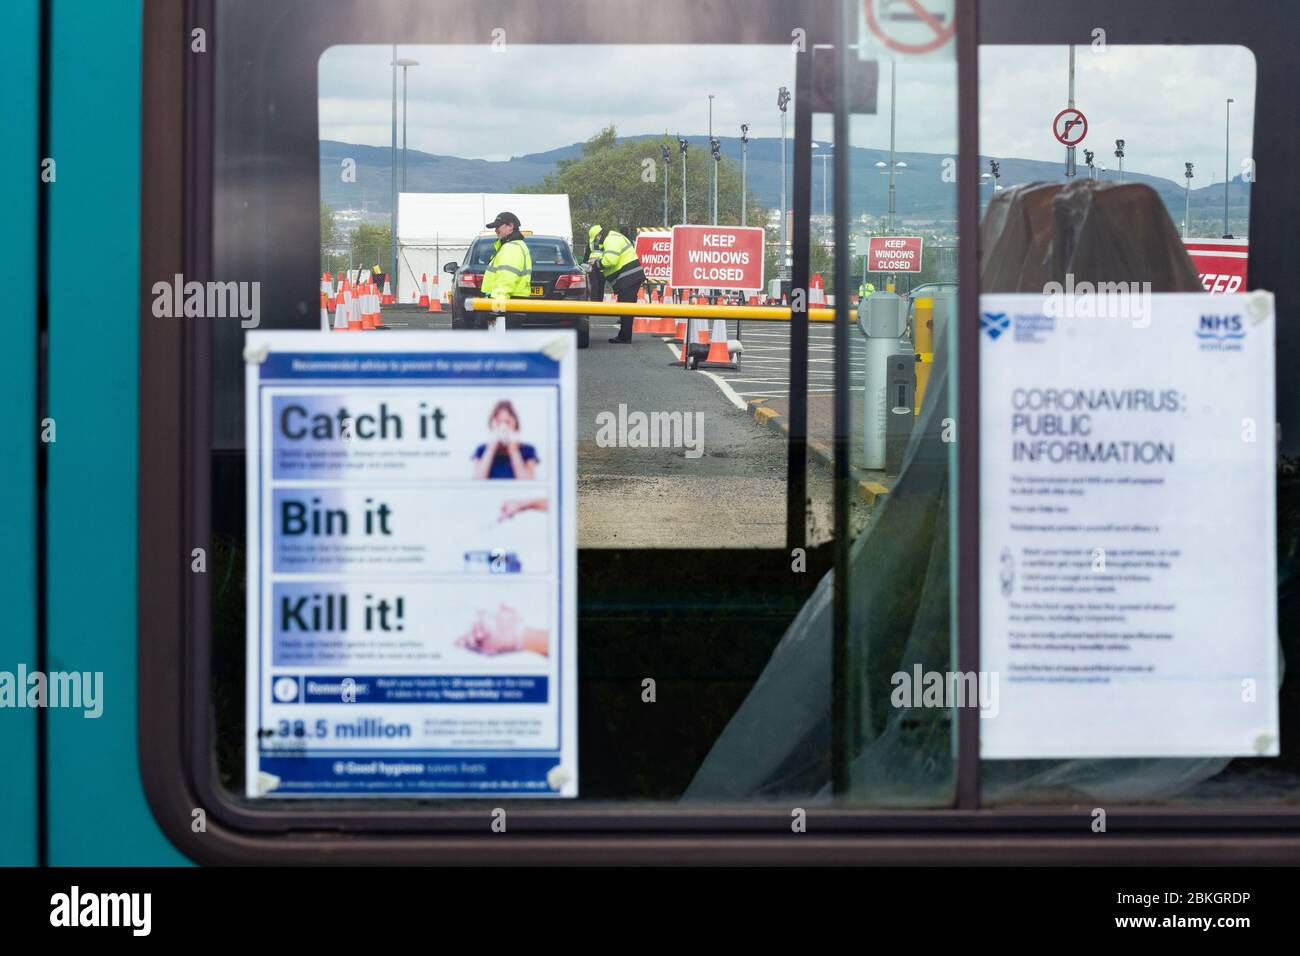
(613, 260)
(866, 289)
(510, 273)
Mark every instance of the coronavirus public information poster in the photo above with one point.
(1127, 494)
(411, 565)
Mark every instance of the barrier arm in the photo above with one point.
(769, 313)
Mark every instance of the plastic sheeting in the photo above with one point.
(778, 744)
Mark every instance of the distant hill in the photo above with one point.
(921, 192)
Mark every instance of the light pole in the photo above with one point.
(392, 226)
(1227, 178)
(1187, 196)
(992, 177)
(666, 156)
(715, 148)
(782, 101)
(893, 67)
(404, 63)
(823, 157)
(1119, 154)
(713, 145)
(683, 146)
(1069, 150)
(889, 170)
(744, 168)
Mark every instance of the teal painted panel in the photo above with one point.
(20, 158)
(97, 809)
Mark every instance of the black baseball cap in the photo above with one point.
(503, 218)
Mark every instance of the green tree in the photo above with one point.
(821, 258)
(372, 245)
(620, 186)
(328, 231)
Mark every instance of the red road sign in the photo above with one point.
(654, 249)
(894, 254)
(1070, 127)
(1221, 263)
(934, 33)
(717, 257)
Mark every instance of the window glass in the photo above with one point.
(1175, 126)
(688, 596)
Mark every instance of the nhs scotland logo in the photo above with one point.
(1221, 327)
(995, 323)
(1221, 333)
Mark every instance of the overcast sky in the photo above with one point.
(1167, 103)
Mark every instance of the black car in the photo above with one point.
(556, 275)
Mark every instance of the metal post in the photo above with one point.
(1187, 196)
(682, 145)
(744, 171)
(782, 100)
(403, 127)
(667, 158)
(847, 667)
(713, 207)
(965, 455)
(801, 180)
(1069, 150)
(824, 157)
(1227, 178)
(893, 67)
(393, 170)
(715, 150)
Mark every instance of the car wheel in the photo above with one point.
(583, 328)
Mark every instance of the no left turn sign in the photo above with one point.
(1070, 127)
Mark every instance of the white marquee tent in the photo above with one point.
(436, 228)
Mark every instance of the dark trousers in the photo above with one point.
(623, 291)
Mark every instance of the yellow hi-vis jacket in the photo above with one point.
(510, 273)
(616, 253)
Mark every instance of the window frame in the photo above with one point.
(175, 721)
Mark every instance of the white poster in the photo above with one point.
(411, 565)
(1127, 535)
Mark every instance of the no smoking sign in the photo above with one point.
(907, 28)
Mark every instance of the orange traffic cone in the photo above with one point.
(640, 324)
(324, 312)
(718, 352)
(424, 289)
(681, 331)
(388, 292)
(719, 347)
(353, 310)
(370, 305)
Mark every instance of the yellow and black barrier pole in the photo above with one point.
(923, 344)
(660, 310)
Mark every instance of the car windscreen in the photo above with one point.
(546, 252)
(550, 252)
